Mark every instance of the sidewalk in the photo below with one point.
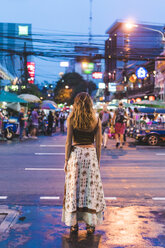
(123, 227)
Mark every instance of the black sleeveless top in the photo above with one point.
(84, 137)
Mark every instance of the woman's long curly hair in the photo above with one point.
(83, 115)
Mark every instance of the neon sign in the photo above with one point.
(31, 71)
(141, 73)
(87, 67)
(97, 75)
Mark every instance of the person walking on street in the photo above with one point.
(119, 119)
(21, 119)
(83, 194)
(35, 117)
(105, 121)
(50, 123)
(62, 120)
(1, 121)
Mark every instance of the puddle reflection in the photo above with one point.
(81, 240)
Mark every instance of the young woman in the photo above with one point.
(83, 195)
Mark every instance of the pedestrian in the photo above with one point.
(56, 118)
(62, 120)
(119, 118)
(130, 114)
(21, 119)
(50, 123)
(83, 195)
(29, 124)
(35, 117)
(1, 121)
(105, 121)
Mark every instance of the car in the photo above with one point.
(151, 134)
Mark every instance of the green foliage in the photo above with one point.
(30, 89)
(75, 84)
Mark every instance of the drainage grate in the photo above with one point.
(2, 217)
(8, 217)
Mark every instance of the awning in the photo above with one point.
(10, 97)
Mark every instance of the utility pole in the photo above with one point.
(90, 23)
(25, 65)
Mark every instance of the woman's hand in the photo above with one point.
(65, 166)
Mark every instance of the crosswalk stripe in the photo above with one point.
(44, 169)
(49, 154)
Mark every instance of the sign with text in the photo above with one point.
(87, 67)
(141, 73)
(31, 71)
(97, 75)
(112, 87)
(23, 30)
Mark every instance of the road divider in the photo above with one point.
(110, 198)
(49, 154)
(44, 169)
(158, 198)
(3, 197)
(49, 198)
(52, 145)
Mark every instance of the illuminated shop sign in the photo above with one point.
(101, 85)
(64, 64)
(97, 75)
(141, 73)
(31, 71)
(87, 68)
(112, 87)
(23, 30)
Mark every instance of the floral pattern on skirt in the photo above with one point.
(83, 196)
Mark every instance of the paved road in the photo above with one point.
(33, 169)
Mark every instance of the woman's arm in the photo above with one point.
(68, 144)
(98, 141)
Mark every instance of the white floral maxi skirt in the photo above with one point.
(83, 194)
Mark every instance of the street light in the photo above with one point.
(130, 26)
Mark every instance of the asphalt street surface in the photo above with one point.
(32, 183)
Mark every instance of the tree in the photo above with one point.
(69, 86)
(30, 89)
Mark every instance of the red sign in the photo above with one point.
(97, 75)
(31, 71)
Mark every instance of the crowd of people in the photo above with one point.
(36, 121)
(114, 122)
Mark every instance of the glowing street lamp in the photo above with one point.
(130, 26)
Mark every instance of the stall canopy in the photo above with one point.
(29, 98)
(48, 105)
(10, 97)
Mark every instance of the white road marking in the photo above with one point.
(52, 145)
(44, 169)
(160, 154)
(158, 198)
(3, 197)
(110, 198)
(49, 154)
(49, 198)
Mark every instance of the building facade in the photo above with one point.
(15, 45)
(126, 49)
